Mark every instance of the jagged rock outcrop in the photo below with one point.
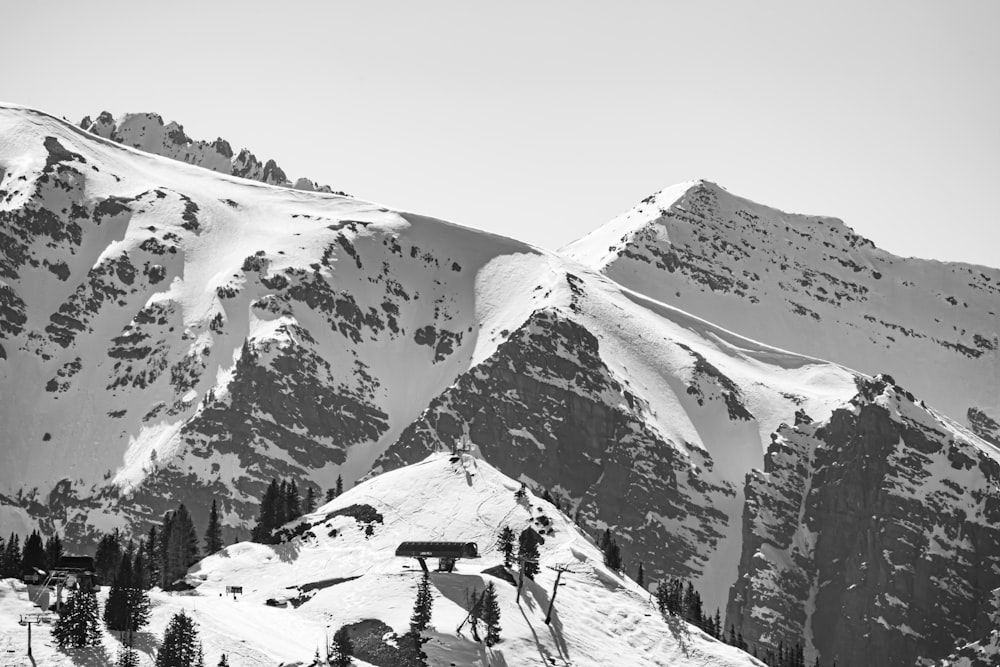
(873, 536)
(812, 285)
(148, 132)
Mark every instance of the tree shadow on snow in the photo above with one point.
(92, 656)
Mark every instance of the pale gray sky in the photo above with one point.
(543, 120)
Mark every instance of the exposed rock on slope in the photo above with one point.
(811, 285)
(148, 132)
(875, 534)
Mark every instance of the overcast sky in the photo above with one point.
(543, 120)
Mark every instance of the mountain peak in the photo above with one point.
(148, 132)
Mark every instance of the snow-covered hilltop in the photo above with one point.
(341, 571)
(812, 285)
(147, 132)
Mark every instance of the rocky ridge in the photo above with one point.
(148, 132)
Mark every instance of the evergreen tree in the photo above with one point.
(33, 555)
(180, 541)
(3, 557)
(613, 555)
(717, 625)
(640, 577)
(78, 624)
(341, 648)
(310, 503)
(491, 614)
(108, 557)
(527, 552)
(422, 606)
(330, 494)
(506, 543)
(522, 492)
(340, 485)
(281, 505)
(151, 557)
(127, 657)
(12, 556)
(605, 540)
(140, 573)
(293, 502)
(181, 646)
(116, 606)
(224, 661)
(53, 551)
(269, 516)
(213, 533)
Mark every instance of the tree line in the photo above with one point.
(35, 553)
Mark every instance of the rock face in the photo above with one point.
(812, 285)
(984, 652)
(546, 409)
(148, 132)
(873, 535)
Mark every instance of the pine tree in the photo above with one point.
(422, 606)
(340, 486)
(53, 551)
(181, 646)
(109, 555)
(151, 555)
(224, 661)
(613, 555)
(717, 625)
(78, 624)
(268, 519)
(3, 557)
(116, 606)
(310, 503)
(522, 492)
(341, 648)
(12, 556)
(330, 494)
(491, 614)
(127, 657)
(506, 543)
(213, 533)
(640, 577)
(180, 546)
(33, 555)
(293, 502)
(527, 552)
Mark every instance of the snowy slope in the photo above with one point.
(600, 617)
(811, 285)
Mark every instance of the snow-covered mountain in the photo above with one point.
(172, 334)
(147, 132)
(176, 334)
(812, 285)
